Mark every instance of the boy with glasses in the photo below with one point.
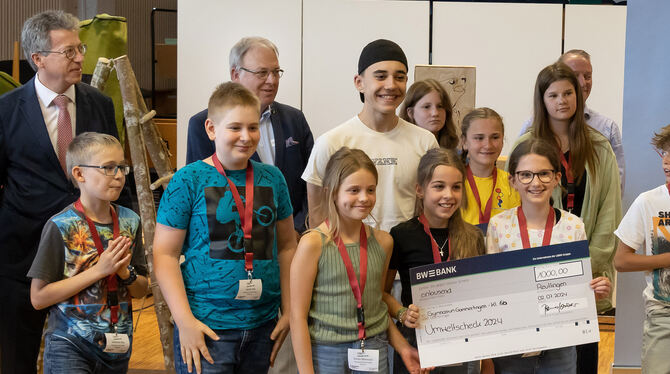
(644, 245)
(89, 264)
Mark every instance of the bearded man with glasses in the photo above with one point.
(37, 122)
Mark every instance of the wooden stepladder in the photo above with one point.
(142, 134)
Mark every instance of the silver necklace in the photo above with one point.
(442, 247)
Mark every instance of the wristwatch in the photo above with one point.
(131, 278)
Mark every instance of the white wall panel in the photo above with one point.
(600, 31)
(207, 29)
(508, 43)
(335, 32)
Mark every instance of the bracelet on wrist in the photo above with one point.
(400, 315)
(132, 276)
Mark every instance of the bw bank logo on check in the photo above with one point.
(435, 272)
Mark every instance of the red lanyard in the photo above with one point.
(112, 282)
(246, 220)
(486, 216)
(437, 258)
(571, 180)
(523, 228)
(353, 282)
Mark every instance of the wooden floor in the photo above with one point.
(147, 352)
(147, 357)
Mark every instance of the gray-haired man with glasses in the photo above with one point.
(286, 140)
(37, 122)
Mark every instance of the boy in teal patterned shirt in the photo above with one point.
(89, 264)
(231, 218)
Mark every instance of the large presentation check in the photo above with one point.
(504, 304)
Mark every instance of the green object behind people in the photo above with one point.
(7, 83)
(106, 36)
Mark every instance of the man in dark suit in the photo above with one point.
(286, 140)
(37, 121)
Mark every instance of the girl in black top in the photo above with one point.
(438, 233)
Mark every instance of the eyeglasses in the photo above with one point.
(526, 176)
(263, 74)
(70, 52)
(661, 153)
(110, 170)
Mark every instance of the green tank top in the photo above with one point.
(332, 314)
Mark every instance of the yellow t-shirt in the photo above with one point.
(504, 197)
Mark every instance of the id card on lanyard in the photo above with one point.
(359, 359)
(114, 342)
(249, 289)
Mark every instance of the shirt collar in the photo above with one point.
(266, 114)
(47, 96)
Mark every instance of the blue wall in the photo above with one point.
(646, 109)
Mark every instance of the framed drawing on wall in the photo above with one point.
(458, 81)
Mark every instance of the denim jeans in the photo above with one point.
(471, 367)
(333, 358)
(236, 351)
(61, 356)
(553, 361)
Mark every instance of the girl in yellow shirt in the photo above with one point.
(487, 189)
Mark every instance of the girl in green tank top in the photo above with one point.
(337, 279)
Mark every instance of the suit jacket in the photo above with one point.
(35, 186)
(293, 144)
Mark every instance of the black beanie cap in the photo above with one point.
(380, 50)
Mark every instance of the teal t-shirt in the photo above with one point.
(198, 199)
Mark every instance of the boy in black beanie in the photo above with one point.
(394, 145)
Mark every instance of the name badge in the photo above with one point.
(250, 289)
(367, 360)
(116, 343)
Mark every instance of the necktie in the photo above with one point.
(64, 129)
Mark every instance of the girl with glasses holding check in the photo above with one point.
(534, 172)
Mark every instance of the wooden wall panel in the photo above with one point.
(15, 12)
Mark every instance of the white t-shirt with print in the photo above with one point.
(396, 154)
(504, 235)
(646, 228)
